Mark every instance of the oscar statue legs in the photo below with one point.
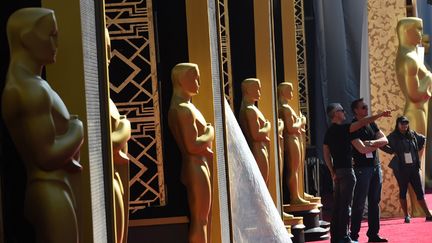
(261, 156)
(49, 208)
(293, 159)
(197, 182)
(119, 208)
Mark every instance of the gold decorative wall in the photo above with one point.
(225, 50)
(385, 93)
(134, 90)
(302, 64)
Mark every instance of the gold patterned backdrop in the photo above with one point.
(385, 93)
(134, 89)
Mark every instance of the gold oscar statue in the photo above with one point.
(254, 125)
(288, 219)
(293, 143)
(415, 82)
(194, 137)
(120, 134)
(47, 137)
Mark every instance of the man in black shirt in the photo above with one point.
(368, 172)
(338, 157)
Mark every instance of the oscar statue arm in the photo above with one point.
(194, 144)
(292, 122)
(122, 133)
(280, 125)
(413, 87)
(34, 135)
(257, 133)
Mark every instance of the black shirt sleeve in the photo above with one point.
(374, 127)
(421, 139)
(354, 135)
(326, 138)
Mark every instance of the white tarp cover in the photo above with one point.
(254, 215)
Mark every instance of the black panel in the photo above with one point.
(310, 37)
(171, 48)
(242, 38)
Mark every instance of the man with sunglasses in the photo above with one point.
(337, 151)
(368, 173)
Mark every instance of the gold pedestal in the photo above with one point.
(313, 199)
(288, 229)
(311, 219)
(291, 208)
(296, 227)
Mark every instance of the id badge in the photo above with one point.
(408, 158)
(369, 155)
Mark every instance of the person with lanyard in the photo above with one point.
(407, 145)
(337, 152)
(367, 169)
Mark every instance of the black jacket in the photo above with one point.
(397, 145)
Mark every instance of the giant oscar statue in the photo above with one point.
(194, 137)
(120, 134)
(254, 125)
(47, 137)
(414, 79)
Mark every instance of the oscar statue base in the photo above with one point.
(288, 229)
(297, 227)
(311, 219)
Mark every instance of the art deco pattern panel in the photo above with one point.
(134, 89)
(225, 54)
(301, 64)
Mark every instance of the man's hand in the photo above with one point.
(386, 113)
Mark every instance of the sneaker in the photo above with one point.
(428, 218)
(354, 239)
(377, 239)
(408, 219)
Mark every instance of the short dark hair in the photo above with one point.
(355, 103)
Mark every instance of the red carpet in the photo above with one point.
(396, 231)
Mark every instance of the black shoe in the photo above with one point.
(377, 239)
(429, 218)
(408, 219)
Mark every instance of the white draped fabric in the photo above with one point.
(254, 214)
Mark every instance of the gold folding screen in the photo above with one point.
(384, 88)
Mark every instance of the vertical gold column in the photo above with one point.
(67, 78)
(200, 53)
(384, 88)
(290, 50)
(264, 72)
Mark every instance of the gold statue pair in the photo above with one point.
(291, 131)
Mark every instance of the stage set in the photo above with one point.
(177, 121)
